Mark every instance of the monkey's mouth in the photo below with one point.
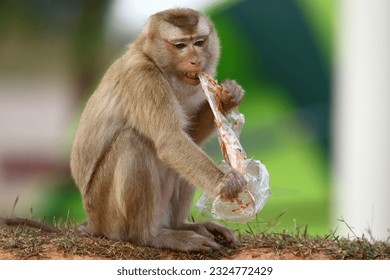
(192, 78)
(192, 75)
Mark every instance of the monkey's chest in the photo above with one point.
(190, 104)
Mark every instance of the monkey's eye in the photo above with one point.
(199, 43)
(180, 45)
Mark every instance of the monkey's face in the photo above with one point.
(184, 46)
(189, 56)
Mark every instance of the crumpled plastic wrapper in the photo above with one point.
(256, 193)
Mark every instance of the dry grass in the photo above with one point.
(27, 243)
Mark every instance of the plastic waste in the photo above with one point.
(256, 193)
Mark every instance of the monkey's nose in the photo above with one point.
(195, 62)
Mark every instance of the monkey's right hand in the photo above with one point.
(232, 184)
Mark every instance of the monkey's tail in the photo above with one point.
(29, 223)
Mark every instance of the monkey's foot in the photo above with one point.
(183, 240)
(213, 230)
(82, 230)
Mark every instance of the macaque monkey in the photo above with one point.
(136, 155)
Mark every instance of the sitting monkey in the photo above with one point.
(136, 156)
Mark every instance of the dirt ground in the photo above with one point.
(24, 243)
(55, 253)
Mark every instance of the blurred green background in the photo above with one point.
(279, 51)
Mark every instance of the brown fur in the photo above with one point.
(186, 19)
(135, 156)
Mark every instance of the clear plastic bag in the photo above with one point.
(253, 198)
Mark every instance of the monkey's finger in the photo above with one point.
(234, 243)
(236, 99)
(226, 96)
(232, 240)
(199, 247)
(232, 93)
(212, 244)
(235, 183)
(200, 242)
(239, 181)
(226, 232)
(204, 231)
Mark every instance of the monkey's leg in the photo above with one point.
(134, 199)
(182, 198)
(181, 202)
(122, 200)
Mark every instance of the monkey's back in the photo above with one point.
(108, 111)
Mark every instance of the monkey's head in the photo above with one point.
(182, 42)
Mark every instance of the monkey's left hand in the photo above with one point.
(232, 94)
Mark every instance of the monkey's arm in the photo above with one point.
(158, 117)
(203, 124)
(192, 163)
